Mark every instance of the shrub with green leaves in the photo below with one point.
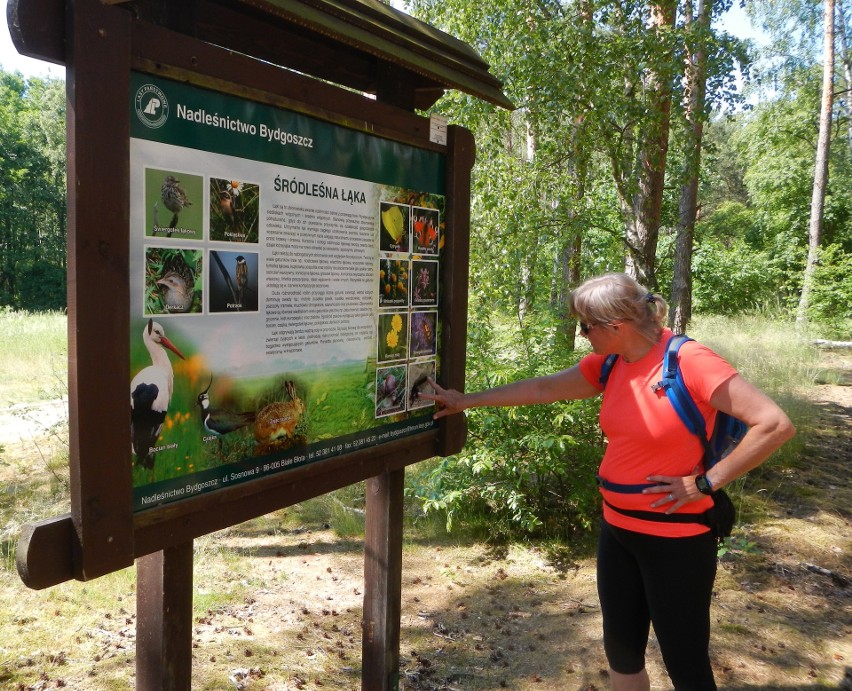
(831, 291)
(729, 279)
(526, 470)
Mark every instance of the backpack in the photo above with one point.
(727, 433)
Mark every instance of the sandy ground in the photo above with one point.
(25, 422)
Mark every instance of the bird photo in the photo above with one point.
(173, 282)
(217, 422)
(241, 271)
(229, 206)
(234, 210)
(151, 392)
(233, 281)
(174, 204)
(174, 198)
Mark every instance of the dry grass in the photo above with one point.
(34, 363)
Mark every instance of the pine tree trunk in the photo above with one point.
(847, 71)
(696, 81)
(645, 208)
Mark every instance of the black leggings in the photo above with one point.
(667, 581)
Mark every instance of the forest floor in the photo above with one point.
(278, 600)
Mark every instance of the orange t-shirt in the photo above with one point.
(644, 433)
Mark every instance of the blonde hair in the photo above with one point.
(617, 297)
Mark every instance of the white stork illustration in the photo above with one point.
(150, 393)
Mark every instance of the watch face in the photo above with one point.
(703, 484)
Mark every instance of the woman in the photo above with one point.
(649, 571)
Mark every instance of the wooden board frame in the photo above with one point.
(102, 534)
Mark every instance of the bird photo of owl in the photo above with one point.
(174, 204)
(173, 281)
(234, 210)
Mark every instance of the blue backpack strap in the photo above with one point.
(622, 488)
(606, 368)
(677, 393)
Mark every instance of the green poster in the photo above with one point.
(284, 289)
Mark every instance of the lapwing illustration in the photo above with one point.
(217, 421)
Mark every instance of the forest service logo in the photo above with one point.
(152, 106)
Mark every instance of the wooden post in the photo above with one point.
(164, 620)
(382, 582)
(97, 83)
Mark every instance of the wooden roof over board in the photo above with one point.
(361, 44)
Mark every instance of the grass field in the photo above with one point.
(34, 361)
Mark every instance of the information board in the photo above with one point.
(284, 289)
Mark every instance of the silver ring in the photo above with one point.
(671, 497)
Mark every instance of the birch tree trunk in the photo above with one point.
(821, 165)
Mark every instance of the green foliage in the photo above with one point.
(32, 197)
(830, 302)
(777, 143)
(729, 279)
(723, 169)
(753, 237)
(730, 221)
(43, 286)
(776, 146)
(527, 470)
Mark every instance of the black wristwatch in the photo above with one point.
(703, 484)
